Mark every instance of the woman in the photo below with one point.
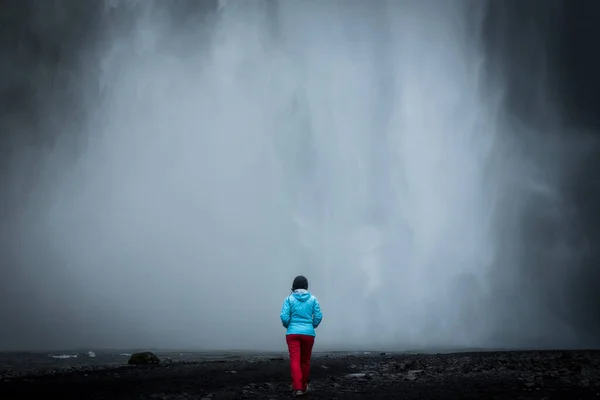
(300, 314)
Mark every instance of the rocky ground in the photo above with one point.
(493, 375)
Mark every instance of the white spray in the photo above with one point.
(362, 146)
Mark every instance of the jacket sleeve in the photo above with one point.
(317, 314)
(286, 314)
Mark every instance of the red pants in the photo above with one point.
(300, 348)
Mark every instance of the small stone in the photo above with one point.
(412, 374)
(143, 358)
(356, 375)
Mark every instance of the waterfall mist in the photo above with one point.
(366, 145)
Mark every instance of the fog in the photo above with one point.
(367, 147)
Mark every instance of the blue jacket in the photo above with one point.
(301, 313)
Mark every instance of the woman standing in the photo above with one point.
(300, 314)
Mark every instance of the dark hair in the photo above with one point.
(300, 282)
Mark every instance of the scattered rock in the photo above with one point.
(143, 358)
(356, 375)
(412, 374)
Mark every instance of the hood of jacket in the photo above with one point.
(301, 294)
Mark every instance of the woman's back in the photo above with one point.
(301, 313)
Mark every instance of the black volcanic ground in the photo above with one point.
(482, 375)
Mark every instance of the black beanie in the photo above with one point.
(300, 282)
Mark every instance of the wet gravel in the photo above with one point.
(487, 375)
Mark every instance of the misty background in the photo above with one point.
(167, 168)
